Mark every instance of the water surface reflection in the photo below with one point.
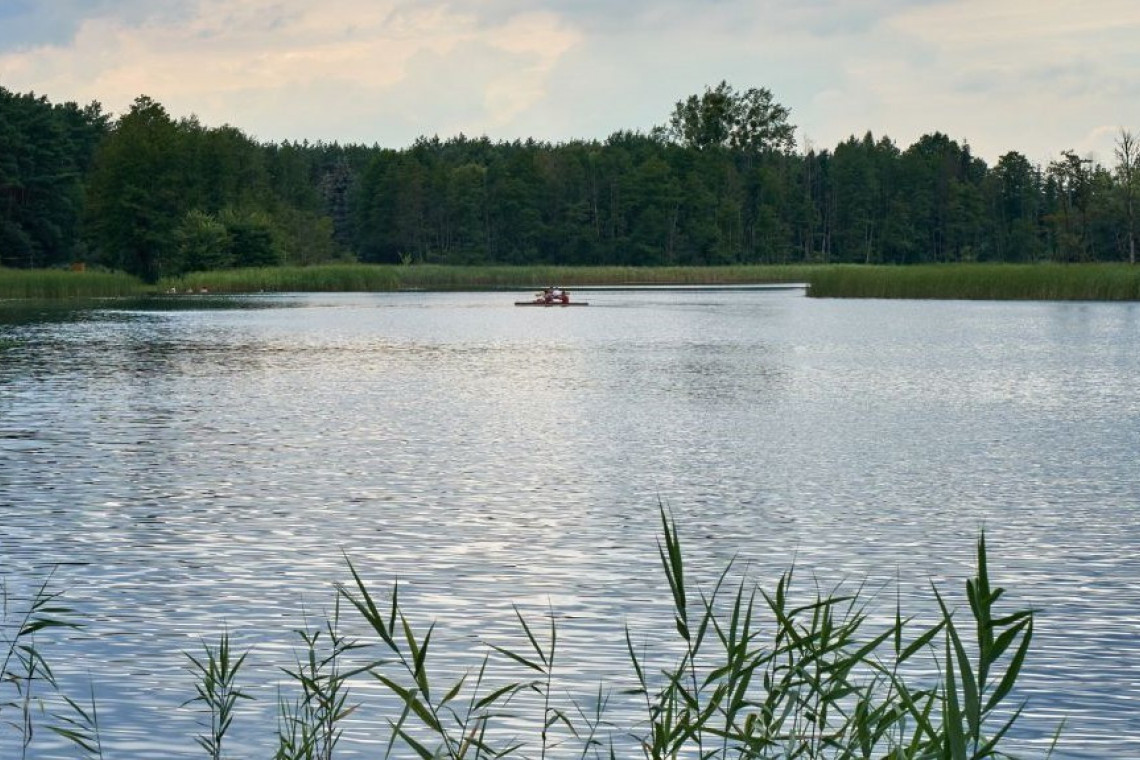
(207, 469)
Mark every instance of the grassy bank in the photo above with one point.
(58, 283)
(1045, 282)
(329, 278)
(1002, 282)
(752, 673)
(372, 277)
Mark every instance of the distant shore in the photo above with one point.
(1045, 282)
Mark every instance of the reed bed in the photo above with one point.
(432, 277)
(1046, 282)
(752, 673)
(59, 283)
(1038, 282)
(379, 277)
(327, 278)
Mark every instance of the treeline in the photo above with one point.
(643, 200)
(46, 153)
(720, 183)
(154, 196)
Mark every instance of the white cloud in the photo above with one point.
(1038, 76)
(213, 63)
(1016, 25)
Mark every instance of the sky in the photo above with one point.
(1034, 76)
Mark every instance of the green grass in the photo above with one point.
(376, 277)
(452, 278)
(1047, 282)
(751, 673)
(1040, 282)
(25, 676)
(58, 283)
(329, 278)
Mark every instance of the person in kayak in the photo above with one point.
(553, 295)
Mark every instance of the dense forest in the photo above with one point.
(721, 182)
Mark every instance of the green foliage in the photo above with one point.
(1014, 186)
(134, 197)
(822, 689)
(24, 672)
(801, 681)
(749, 121)
(1089, 282)
(752, 673)
(163, 193)
(81, 727)
(330, 278)
(44, 151)
(378, 278)
(718, 185)
(251, 239)
(306, 237)
(216, 672)
(59, 283)
(456, 718)
(310, 727)
(203, 242)
(973, 692)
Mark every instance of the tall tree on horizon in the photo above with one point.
(45, 150)
(1127, 156)
(750, 121)
(134, 197)
(1014, 190)
(1071, 179)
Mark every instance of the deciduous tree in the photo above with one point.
(748, 121)
(1127, 157)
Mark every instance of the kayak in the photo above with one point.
(551, 296)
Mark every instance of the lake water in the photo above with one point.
(204, 464)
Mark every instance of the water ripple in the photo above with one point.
(194, 471)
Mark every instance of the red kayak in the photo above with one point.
(552, 296)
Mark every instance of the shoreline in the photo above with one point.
(1041, 282)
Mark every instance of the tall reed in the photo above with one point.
(345, 278)
(378, 277)
(433, 277)
(80, 726)
(310, 726)
(760, 675)
(23, 669)
(1095, 282)
(57, 283)
(754, 674)
(1044, 282)
(216, 672)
